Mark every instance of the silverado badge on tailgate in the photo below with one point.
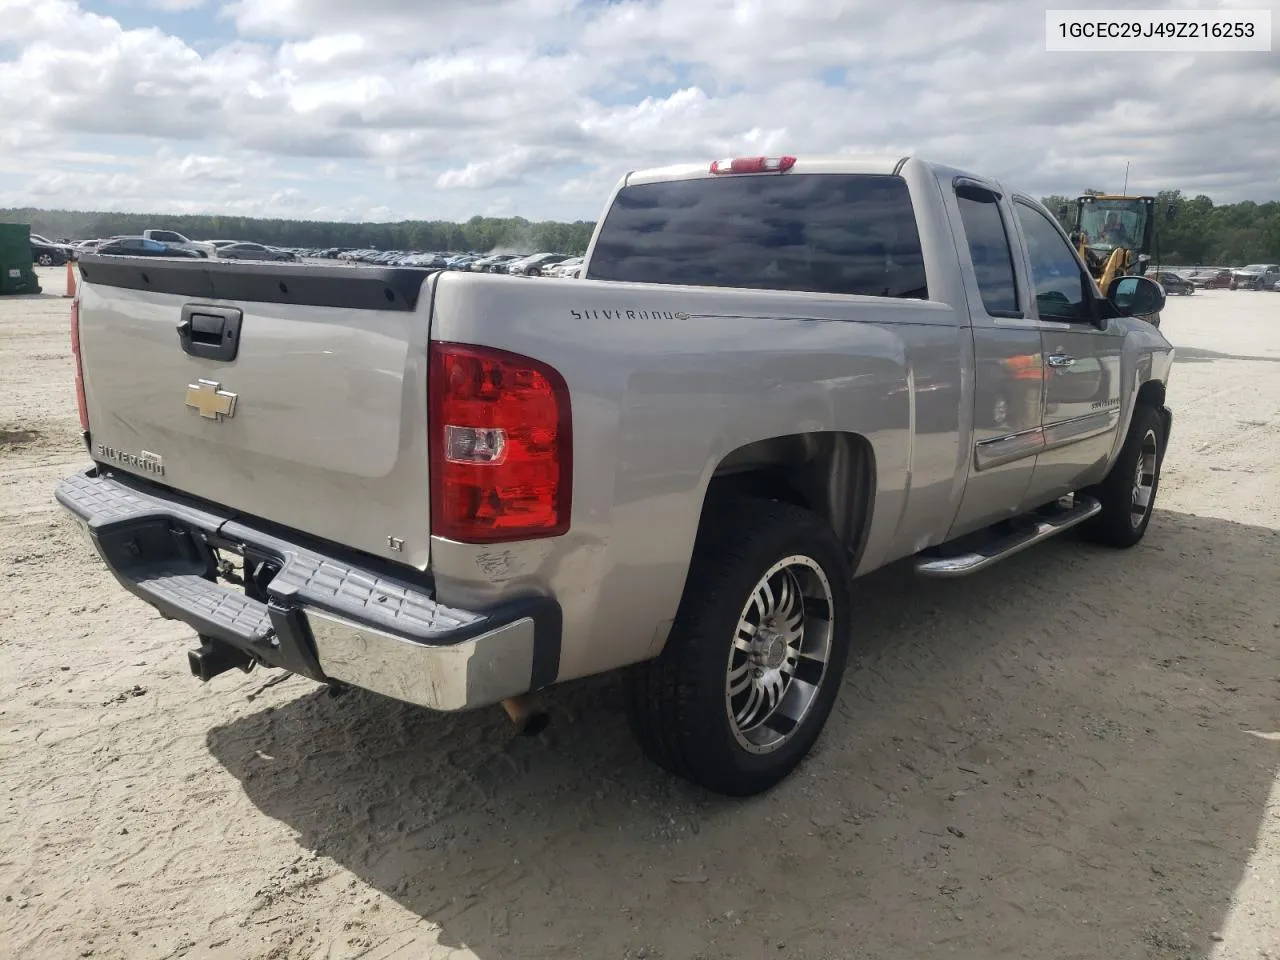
(212, 402)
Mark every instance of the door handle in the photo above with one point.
(1061, 360)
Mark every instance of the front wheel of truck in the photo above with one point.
(1128, 494)
(753, 663)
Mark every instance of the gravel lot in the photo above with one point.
(1074, 755)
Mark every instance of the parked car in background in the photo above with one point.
(49, 254)
(559, 269)
(1212, 279)
(177, 241)
(253, 251)
(502, 266)
(487, 264)
(1173, 283)
(532, 266)
(429, 260)
(142, 247)
(1256, 276)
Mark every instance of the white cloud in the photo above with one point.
(442, 108)
(478, 176)
(222, 169)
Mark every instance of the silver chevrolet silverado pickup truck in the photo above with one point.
(457, 489)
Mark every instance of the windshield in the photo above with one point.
(1255, 268)
(1107, 224)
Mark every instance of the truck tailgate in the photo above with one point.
(290, 392)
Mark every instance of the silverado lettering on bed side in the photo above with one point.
(628, 315)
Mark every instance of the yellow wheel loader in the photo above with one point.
(1116, 235)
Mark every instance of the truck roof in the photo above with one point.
(872, 164)
(847, 163)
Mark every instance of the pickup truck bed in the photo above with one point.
(457, 489)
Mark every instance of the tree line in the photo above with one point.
(1198, 232)
(482, 234)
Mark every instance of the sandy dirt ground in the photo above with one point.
(1074, 755)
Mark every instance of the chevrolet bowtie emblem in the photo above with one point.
(213, 404)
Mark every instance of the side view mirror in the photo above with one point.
(1136, 296)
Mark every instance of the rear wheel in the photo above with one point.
(1128, 494)
(45, 260)
(753, 663)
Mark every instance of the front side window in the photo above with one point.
(1060, 285)
(821, 233)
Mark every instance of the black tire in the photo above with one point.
(1120, 524)
(679, 703)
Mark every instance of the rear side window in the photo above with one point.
(989, 249)
(822, 233)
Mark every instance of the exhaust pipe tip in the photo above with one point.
(527, 714)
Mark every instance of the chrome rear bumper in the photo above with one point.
(483, 670)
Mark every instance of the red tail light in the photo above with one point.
(754, 165)
(501, 446)
(75, 352)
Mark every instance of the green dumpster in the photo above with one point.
(16, 274)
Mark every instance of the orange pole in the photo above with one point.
(71, 279)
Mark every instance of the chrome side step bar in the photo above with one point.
(1043, 528)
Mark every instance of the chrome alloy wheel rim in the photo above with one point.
(780, 652)
(1144, 479)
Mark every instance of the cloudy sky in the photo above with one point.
(393, 109)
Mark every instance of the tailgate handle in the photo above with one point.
(210, 331)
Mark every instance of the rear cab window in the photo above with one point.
(812, 232)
